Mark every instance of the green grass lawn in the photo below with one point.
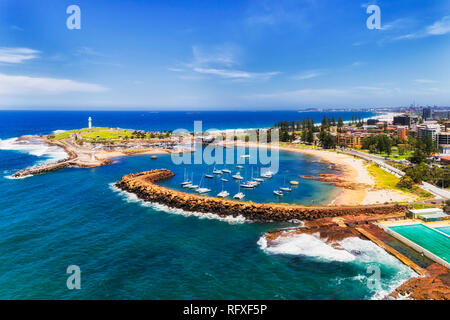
(394, 154)
(67, 134)
(386, 180)
(107, 134)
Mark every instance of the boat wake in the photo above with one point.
(363, 253)
(132, 198)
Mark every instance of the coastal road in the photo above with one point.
(436, 191)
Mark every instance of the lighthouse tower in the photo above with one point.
(90, 122)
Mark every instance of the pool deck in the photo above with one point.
(392, 251)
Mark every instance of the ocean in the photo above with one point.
(128, 249)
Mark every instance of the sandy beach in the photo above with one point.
(359, 187)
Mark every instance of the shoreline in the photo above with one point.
(356, 186)
(144, 186)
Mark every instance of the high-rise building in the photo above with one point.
(427, 113)
(403, 120)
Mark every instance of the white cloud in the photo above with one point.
(438, 28)
(236, 74)
(17, 55)
(425, 81)
(307, 75)
(219, 61)
(17, 85)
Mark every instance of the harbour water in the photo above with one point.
(128, 249)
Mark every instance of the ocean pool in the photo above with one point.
(427, 238)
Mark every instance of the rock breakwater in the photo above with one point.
(144, 186)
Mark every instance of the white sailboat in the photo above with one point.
(186, 181)
(226, 170)
(223, 193)
(192, 185)
(202, 190)
(239, 195)
(217, 171)
(285, 189)
(278, 193)
(238, 176)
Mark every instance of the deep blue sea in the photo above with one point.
(127, 249)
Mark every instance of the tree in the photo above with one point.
(405, 182)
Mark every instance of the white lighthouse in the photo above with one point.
(90, 122)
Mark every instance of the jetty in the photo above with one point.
(75, 157)
(144, 186)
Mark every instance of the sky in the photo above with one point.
(223, 55)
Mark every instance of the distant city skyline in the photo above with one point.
(216, 55)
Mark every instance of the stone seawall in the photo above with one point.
(144, 187)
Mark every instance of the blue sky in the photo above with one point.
(171, 55)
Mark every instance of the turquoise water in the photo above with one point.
(445, 230)
(291, 167)
(128, 249)
(427, 238)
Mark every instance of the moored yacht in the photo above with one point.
(238, 176)
(278, 193)
(223, 194)
(239, 196)
(203, 190)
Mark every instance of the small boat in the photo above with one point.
(224, 180)
(239, 196)
(203, 190)
(223, 194)
(186, 180)
(293, 183)
(285, 189)
(247, 185)
(239, 167)
(193, 186)
(278, 193)
(245, 156)
(217, 171)
(209, 176)
(187, 185)
(154, 157)
(258, 179)
(226, 170)
(238, 176)
(267, 175)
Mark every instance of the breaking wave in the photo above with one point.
(131, 197)
(349, 250)
(35, 148)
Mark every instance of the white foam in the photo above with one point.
(35, 148)
(350, 250)
(308, 245)
(131, 197)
